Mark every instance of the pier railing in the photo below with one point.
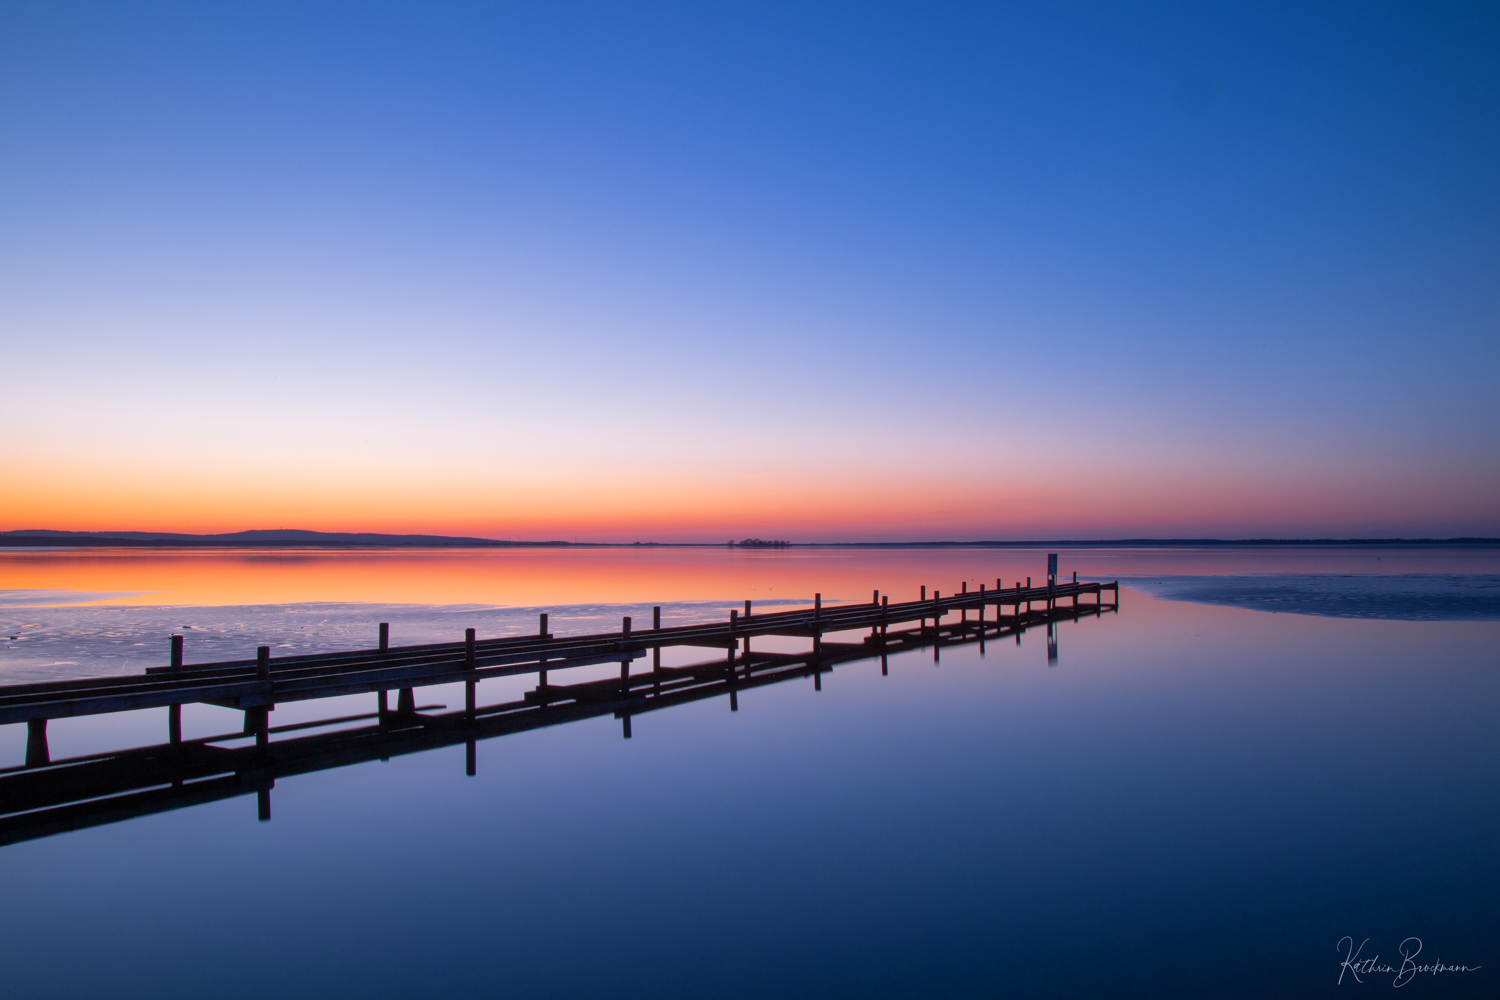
(47, 796)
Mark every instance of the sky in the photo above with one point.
(824, 272)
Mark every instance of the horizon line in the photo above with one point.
(43, 537)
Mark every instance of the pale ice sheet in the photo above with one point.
(43, 643)
(1406, 597)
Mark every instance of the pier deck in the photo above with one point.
(267, 680)
(46, 797)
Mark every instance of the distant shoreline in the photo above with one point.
(284, 539)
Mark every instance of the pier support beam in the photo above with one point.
(37, 754)
(174, 712)
(656, 650)
(257, 724)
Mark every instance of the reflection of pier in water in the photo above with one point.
(46, 797)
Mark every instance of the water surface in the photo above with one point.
(1195, 799)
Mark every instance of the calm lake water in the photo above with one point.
(1263, 752)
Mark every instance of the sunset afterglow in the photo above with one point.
(1054, 282)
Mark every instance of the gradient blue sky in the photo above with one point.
(810, 271)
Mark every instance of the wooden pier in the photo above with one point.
(45, 796)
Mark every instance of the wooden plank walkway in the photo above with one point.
(47, 797)
(267, 680)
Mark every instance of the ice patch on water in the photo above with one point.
(1409, 597)
(44, 643)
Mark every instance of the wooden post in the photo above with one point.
(817, 606)
(981, 617)
(256, 722)
(542, 664)
(624, 663)
(174, 712)
(263, 805)
(875, 599)
(656, 651)
(963, 611)
(747, 607)
(37, 753)
(471, 759)
(470, 663)
(734, 701)
(382, 707)
(263, 663)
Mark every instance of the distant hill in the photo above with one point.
(277, 537)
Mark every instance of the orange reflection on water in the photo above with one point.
(541, 577)
(513, 577)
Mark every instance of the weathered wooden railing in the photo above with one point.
(46, 796)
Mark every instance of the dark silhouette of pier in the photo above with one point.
(44, 797)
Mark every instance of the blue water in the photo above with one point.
(1196, 800)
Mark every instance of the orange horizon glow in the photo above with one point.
(543, 577)
(1000, 518)
(1091, 494)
